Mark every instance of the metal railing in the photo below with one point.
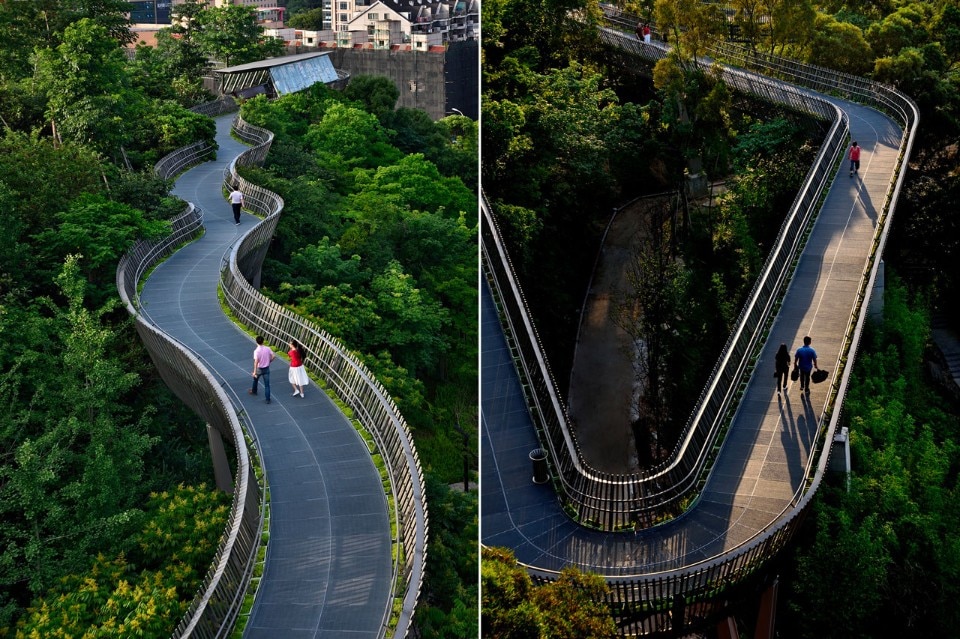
(224, 104)
(651, 598)
(213, 612)
(344, 373)
(612, 501)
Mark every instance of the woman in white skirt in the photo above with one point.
(297, 375)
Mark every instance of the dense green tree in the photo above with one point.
(88, 92)
(26, 25)
(231, 35)
(40, 181)
(692, 25)
(450, 611)
(377, 94)
(298, 6)
(840, 46)
(118, 598)
(172, 69)
(309, 20)
(791, 22)
(99, 229)
(411, 323)
(350, 137)
(513, 608)
(76, 459)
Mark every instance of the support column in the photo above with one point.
(221, 465)
(767, 615)
(727, 629)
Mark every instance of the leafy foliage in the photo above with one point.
(892, 538)
(231, 35)
(567, 608)
(76, 456)
(449, 609)
(116, 598)
(378, 247)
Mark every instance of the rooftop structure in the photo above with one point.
(278, 76)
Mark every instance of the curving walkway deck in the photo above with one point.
(328, 567)
(763, 462)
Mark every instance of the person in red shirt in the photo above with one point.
(854, 159)
(297, 375)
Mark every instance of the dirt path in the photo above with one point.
(602, 388)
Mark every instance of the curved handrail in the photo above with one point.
(214, 610)
(614, 500)
(350, 379)
(610, 501)
(651, 593)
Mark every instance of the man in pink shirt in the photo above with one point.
(262, 356)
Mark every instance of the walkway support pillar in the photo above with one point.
(221, 465)
(767, 615)
(727, 629)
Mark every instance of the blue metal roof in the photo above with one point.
(298, 75)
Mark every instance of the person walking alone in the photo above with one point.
(806, 360)
(782, 361)
(262, 356)
(854, 159)
(297, 375)
(236, 201)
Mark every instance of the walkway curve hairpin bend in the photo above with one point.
(741, 513)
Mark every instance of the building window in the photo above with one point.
(343, 17)
(343, 6)
(373, 16)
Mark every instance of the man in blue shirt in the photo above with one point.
(805, 360)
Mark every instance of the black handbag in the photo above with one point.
(818, 376)
(795, 373)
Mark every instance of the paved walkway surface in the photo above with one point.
(763, 461)
(328, 568)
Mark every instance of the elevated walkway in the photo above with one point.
(763, 468)
(329, 569)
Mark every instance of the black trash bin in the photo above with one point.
(539, 458)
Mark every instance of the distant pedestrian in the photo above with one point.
(236, 201)
(297, 375)
(262, 356)
(782, 361)
(806, 360)
(646, 34)
(854, 159)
